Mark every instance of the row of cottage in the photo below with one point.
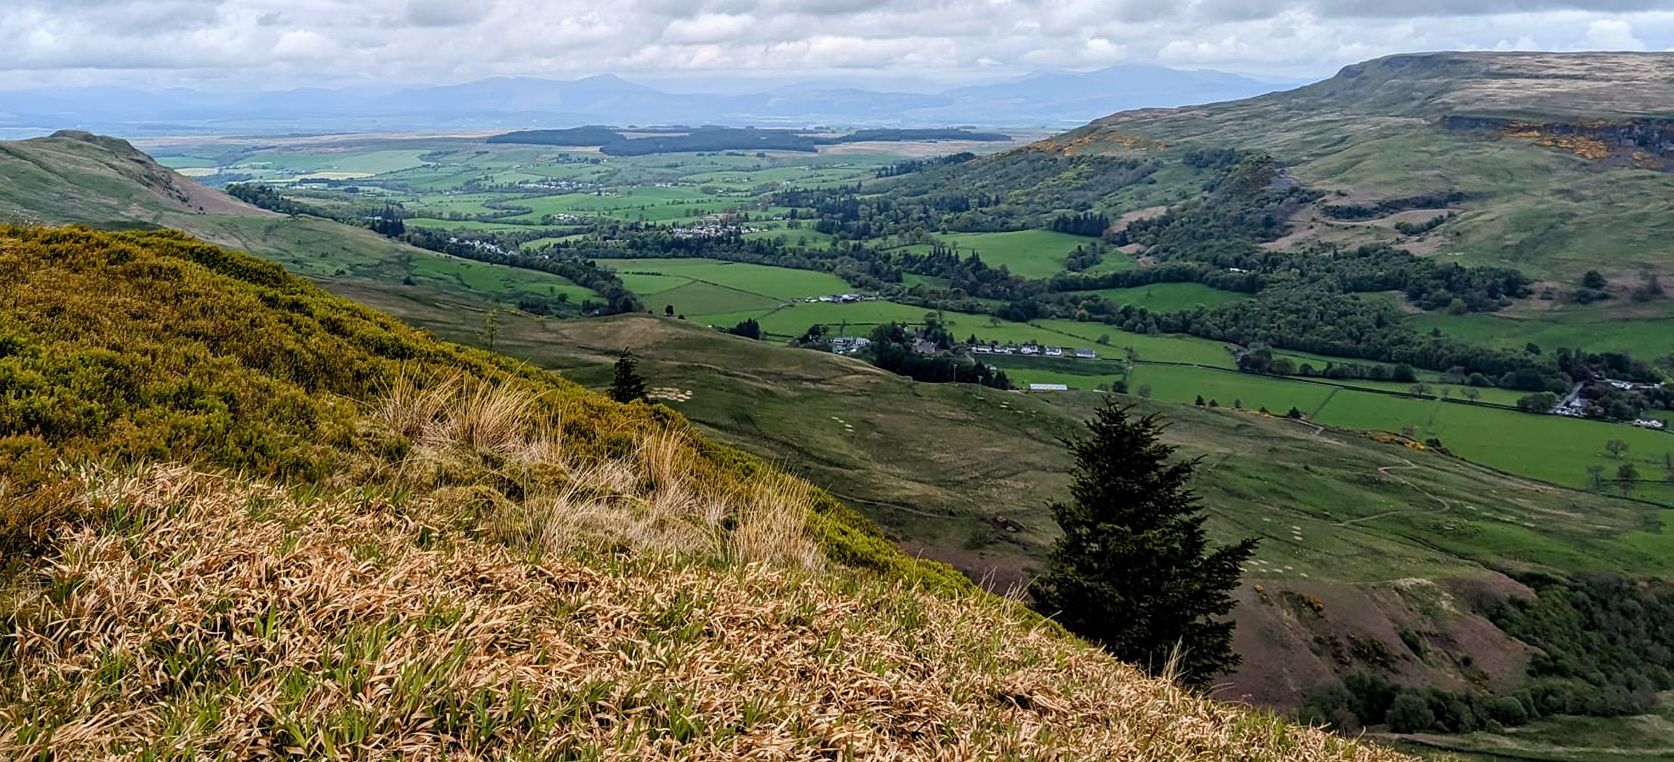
(848, 345)
(1033, 349)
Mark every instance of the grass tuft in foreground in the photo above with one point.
(207, 617)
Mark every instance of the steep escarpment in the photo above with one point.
(1640, 143)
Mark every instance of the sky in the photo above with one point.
(276, 44)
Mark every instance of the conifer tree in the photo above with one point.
(1134, 571)
(626, 385)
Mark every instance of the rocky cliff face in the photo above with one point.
(1644, 143)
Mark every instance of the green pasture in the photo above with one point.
(777, 283)
(1640, 330)
(857, 319)
(1029, 253)
(494, 281)
(367, 162)
(1168, 297)
(439, 224)
(699, 298)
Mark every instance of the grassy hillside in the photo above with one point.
(252, 519)
(1386, 537)
(1554, 164)
(76, 177)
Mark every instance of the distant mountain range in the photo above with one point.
(1047, 100)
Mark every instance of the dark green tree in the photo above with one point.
(749, 329)
(626, 385)
(1537, 403)
(1134, 571)
(1627, 477)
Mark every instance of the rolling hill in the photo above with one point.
(1554, 163)
(78, 177)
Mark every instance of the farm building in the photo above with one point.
(848, 345)
(1048, 387)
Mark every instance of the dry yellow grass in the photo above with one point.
(200, 617)
(652, 500)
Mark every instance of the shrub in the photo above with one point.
(1410, 713)
(1508, 711)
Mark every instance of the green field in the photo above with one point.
(1169, 297)
(699, 299)
(856, 319)
(1544, 447)
(779, 283)
(1029, 253)
(502, 283)
(1640, 330)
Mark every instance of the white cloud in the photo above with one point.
(1612, 34)
(281, 43)
(303, 45)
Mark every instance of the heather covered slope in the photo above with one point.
(250, 519)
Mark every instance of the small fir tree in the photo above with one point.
(626, 385)
(1134, 571)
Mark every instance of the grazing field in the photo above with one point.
(1168, 297)
(779, 283)
(856, 319)
(1030, 253)
(698, 299)
(1552, 448)
(1639, 329)
(501, 283)
(495, 226)
(1549, 448)
(1118, 343)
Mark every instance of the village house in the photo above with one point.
(1085, 354)
(848, 345)
(1054, 351)
(1048, 387)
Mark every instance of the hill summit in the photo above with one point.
(78, 176)
(244, 518)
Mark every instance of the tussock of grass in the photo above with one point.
(655, 498)
(211, 618)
